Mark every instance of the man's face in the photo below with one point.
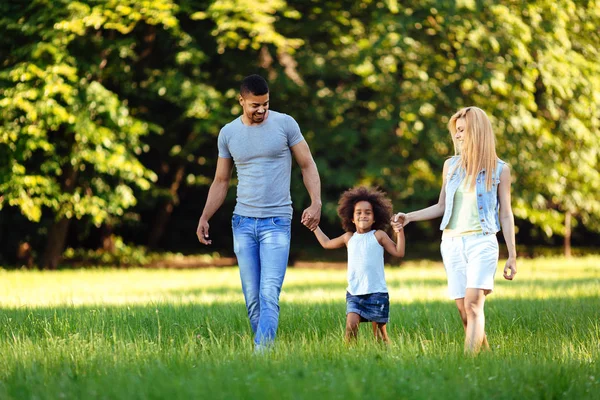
(255, 107)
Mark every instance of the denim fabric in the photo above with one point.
(371, 307)
(262, 247)
(487, 201)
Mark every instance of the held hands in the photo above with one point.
(511, 266)
(311, 217)
(202, 232)
(399, 221)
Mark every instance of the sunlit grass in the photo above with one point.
(107, 333)
(536, 279)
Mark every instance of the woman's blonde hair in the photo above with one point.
(478, 151)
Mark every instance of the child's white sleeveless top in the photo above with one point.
(365, 265)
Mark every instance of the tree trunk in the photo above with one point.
(568, 234)
(107, 238)
(166, 209)
(57, 235)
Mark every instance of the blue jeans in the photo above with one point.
(262, 247)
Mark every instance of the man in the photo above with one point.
(261, 143)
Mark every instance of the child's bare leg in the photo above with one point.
(352, 323)
(376, 331)
(460, 304)
(383, 333)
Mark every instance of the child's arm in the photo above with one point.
(395, 249)
(335, 243)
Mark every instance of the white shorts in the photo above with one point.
(470, 262)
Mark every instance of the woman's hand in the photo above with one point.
(511, 265)
(399, 221)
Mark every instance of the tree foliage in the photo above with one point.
(110, 110)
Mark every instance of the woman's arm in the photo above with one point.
(435, 211)
(395, 249)
(335, 243)
(507, 221)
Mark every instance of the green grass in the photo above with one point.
(154, 334)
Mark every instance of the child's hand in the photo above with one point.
(398, 222)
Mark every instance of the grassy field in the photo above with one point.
(154, 334)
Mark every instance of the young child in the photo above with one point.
(365, 213)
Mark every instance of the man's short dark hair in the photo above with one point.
(255, 84)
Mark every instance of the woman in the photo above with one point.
(474, 203)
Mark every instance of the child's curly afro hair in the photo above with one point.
(382, 207)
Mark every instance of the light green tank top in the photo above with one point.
(464, 220)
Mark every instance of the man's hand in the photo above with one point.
(311, 217)
(202, 231)
(511, 265)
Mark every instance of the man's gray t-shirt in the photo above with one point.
(263, 161)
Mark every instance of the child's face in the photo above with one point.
(363, 216)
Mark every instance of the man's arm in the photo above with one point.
(216, 197)
(312, 215)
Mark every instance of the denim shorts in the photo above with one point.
(373, 307)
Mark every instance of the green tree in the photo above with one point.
(561, 133)
(100, 99)
(383, 79)
(68, 144)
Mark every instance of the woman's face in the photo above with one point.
(459, 135)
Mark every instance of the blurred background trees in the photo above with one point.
(109, 111)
